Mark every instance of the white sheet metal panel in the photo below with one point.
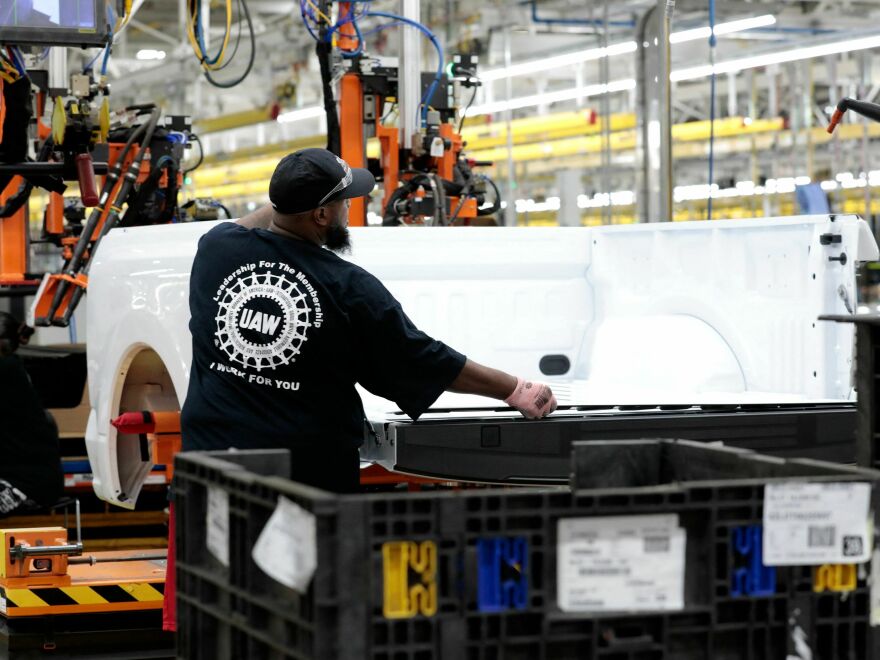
(756, 286)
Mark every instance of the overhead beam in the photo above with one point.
(153, 32)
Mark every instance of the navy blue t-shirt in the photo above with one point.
(282, 330)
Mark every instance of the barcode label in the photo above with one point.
(620, 563)
(820, 537)
(604, 572)
(810, 524)
(543, 397)
(656, 544)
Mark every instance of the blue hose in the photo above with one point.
(200, 37)
(88, 67)
(106, 59)
(302, 11)
(576, 21)
(348, 54)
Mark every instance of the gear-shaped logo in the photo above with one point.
(262, 320)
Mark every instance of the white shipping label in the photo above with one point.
(808, 524)
(620, 563)
(218, 524)
(287, 548)
(2, 603)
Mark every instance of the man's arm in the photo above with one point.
(533, 400)
(476, 378)
(258, 219)
(398, 361)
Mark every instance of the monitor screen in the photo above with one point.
(53, 22)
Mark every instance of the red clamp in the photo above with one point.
(135, 423)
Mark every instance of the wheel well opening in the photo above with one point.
(144, 384)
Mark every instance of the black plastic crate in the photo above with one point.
(494, 577)
(867, 375)
(867, 385)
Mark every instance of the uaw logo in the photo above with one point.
(262, 318)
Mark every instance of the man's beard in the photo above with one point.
(338, 239)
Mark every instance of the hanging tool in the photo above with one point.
(864, 108)
(59, 294)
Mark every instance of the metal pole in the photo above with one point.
(92, 559)
(831, 63)
(181, 21)
(410, 75)
(807, 100)
(20, 552)
(607, 215)
(510, 215)
(753, 151)
(731, 95)
(865, 71)
(58, 78)
(654, 111)
(206, 23)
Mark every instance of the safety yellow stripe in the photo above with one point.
(25, 598)
(143, 591)
(84, 595)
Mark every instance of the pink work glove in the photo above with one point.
(534, 400)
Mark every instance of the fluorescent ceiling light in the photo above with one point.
(569, 59)
(723, 28)
(558, 61)
(300, 113)
(551, 97)
(793, 55)
(150, 54)
(691, 73)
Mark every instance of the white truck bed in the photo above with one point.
(672, 313)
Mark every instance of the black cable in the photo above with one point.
(127, 183)
(251, 58)
(439, 200)
(225, 210)
(497, 205)
(334, 141)
(195, 138)
(462, 197)
(391, 216)
(466, 108)
(138, 199)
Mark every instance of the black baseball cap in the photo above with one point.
(309, 178)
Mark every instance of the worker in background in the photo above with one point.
(283, 328)
(30, 472)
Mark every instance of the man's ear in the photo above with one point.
(322, 217)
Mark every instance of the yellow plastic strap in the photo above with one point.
(840, 578)
(403, 600)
